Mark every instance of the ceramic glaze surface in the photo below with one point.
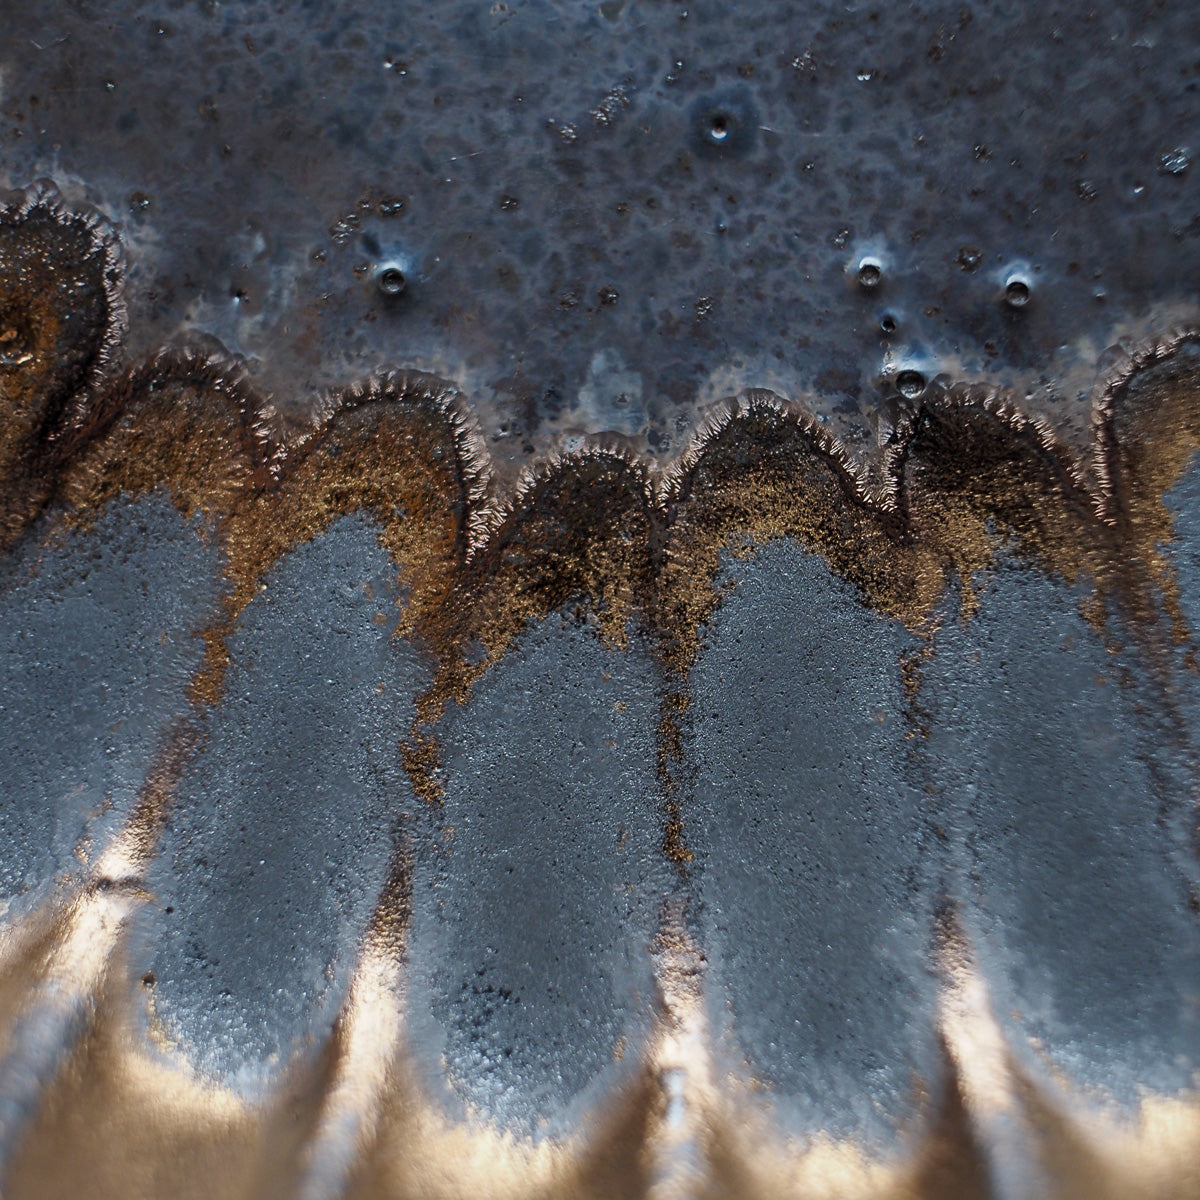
(599, 600)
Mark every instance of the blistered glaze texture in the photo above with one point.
(815, 872)
(537, 896)
(99, 643)
(1064, 862)
(606, 211)
(280, 832)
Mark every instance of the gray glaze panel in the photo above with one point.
(97, 645)
(283, 823)
(811, 843)
(1173, 713)
(532, 930)
(1064, 868)
(1184, 551)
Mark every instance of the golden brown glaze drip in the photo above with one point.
(60, 317)
(578, 533)
(978, 479)
(769, 473)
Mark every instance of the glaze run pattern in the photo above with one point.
(732, 825)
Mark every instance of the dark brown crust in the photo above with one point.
(61, 318)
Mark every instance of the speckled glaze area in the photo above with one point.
(513, 681)
(597, 218)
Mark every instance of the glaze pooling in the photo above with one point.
(707, 1007)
